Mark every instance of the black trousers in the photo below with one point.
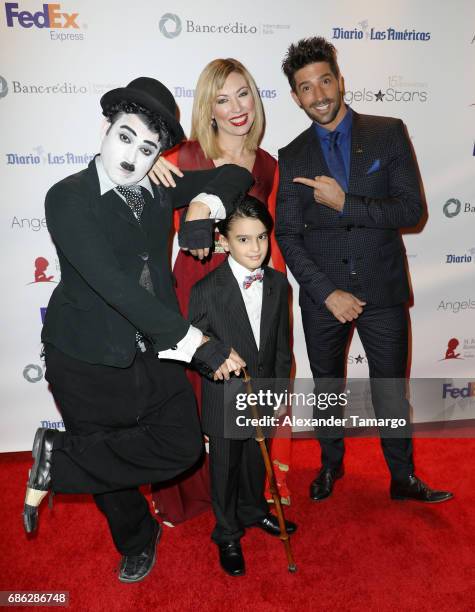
(125, 427)
(384, 335)
(237, 475)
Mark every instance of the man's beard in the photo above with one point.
(324, 120)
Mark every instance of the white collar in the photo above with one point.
(105, 184)
(239, 271)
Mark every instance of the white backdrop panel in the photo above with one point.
(51, 79)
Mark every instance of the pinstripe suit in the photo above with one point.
(359, 251)
(236, 467)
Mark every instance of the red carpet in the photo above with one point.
(356, 551)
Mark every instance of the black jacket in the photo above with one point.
(97, 307)
(217, 308)
(319, 245)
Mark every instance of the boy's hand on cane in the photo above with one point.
(233, 363)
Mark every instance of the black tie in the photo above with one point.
(335, 161)
(134, 198)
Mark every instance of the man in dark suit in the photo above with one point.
(347, 185)
(246, 307)
(130, 417)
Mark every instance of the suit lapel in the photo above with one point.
(157, 214)
(233, 302)
(359, 152)
(268, 306)
(317, 165)
(360, 141)
(110, 201)
(114, 204)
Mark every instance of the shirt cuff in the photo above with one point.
(215, 205)
(342, 211)
(185, 348)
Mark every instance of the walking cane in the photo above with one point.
(260, 439)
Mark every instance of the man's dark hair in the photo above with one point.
(308, 51)
(153, 121)
(248, 208)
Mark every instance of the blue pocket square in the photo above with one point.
(375, 166)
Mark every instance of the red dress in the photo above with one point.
(188, 495)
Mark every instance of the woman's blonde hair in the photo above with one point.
(211, 80)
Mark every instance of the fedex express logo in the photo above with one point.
(449, 390)
(50, 17)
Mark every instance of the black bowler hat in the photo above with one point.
(152, 95)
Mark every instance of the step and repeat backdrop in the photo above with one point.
(413, 60)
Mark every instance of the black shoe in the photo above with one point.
(415, 489)
(231, 558)
(270, 524)
(134, 568)
(39, 480)
(322, 486)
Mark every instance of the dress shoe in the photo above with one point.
(270, 524)
(134, 568)
(39, 479)
(415, 489)
(231, 558)
(322, 486)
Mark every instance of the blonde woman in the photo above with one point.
(227, 127)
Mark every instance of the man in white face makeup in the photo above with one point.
(128, 150)
(114, 340)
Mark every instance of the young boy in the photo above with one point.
(245, 306)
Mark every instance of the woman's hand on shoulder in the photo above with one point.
(162, 172)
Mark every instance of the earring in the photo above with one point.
(214, 125)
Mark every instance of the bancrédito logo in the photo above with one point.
(33, 373)
(170, 25)
(3, 87)
(364, 31)
(51, 17)
(66, 87)
(454, 207)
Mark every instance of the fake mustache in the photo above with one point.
(127, 166)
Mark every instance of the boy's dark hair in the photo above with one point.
(249, 208)
(153, 121)
(308, 51)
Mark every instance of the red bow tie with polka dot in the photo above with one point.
(248, 280)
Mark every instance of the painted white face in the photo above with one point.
(128, 150)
